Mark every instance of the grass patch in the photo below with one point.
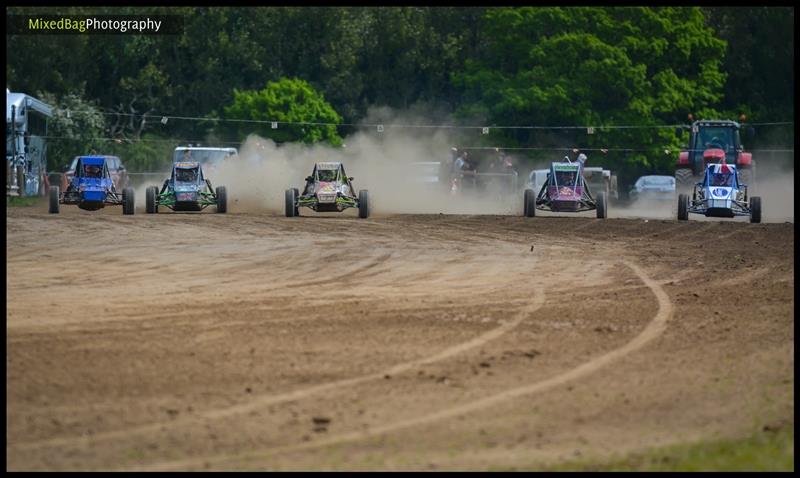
(771, 450)
(15, 201)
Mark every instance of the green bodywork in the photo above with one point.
(311, 201)
(167, 198)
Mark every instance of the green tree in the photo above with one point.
(76, 127)
(595, 66)
(287, 100)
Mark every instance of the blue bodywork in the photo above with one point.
(91, 193)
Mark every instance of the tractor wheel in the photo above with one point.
(128, 205)
(291, 200)
(54, 194)
(222, 199)
(683, 179)
(602, 205)
(150, 200)
(683, 207)
(296, 195)
(529, 206)
(363, 204)
(755, 209)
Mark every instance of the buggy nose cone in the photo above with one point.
(326, 198)
(186, 197)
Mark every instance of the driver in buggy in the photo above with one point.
(565, 178)
(327, 175)
(181, 175)
(186, 175)
(721, 179)
(92, 171)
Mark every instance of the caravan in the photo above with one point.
(26, 145)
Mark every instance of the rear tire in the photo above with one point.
(54, 194)
(128, 205)
(683, 179)
(150, 200)
(222, 199)
(683, 207)
(755, 209)
(602, 205)
(529, 206)
(291, 200)
(363, 204)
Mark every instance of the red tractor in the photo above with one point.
(712, 142)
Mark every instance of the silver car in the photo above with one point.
(659, 188)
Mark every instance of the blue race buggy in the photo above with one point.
(91, 188)
(186, 190)
(720, 194)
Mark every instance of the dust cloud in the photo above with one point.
(382, 163)
(388, 165)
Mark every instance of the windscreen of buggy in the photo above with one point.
(186, 175)
(327, 175)
(92, 171)
(566, 178)
(724, 180)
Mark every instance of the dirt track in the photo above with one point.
(253, 341)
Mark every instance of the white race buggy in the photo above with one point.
(720, 194)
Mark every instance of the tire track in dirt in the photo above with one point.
(653, 329)
(268, 400)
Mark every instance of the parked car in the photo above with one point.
(659, 188)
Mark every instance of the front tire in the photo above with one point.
(683, 207)
(54, 194)
(363, 204)
(755, 209)
(128, 205)
(602, 205)
(222, 199)
(529, 205)
(291, 201)
(296, 195)
(150, 200)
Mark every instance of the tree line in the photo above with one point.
(604, 66)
